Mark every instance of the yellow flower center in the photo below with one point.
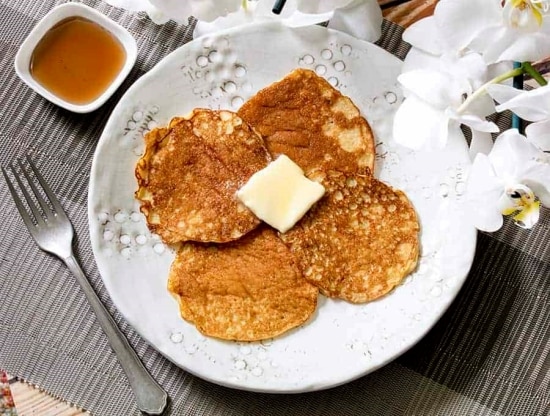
(522, 204)
(526, 14)
(522, 217)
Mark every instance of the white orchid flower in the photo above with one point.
(514, 179)
(427, 45)
(434, 103)
(160, 11)
(429, 50)
(359, 18)
(509, 30)
(205, 10)
(532, 106)
(320, 6)
(155, 14)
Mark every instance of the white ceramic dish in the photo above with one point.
(342, 341)
(56, 15)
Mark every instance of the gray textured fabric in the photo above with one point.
(488, 355)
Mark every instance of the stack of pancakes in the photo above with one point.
(236, 278)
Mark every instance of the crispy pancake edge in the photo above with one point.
(347, 242)
(197, 220)
(305, 117)
(246, 290)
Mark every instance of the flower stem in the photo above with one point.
(524, 68)
(483, 89)
(528, 68)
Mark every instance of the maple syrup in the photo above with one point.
(77, 60)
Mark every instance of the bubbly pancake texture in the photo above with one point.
(311, 122)
(246, 290)
(190, 172)
(359, 241)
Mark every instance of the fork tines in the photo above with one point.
(39, 216)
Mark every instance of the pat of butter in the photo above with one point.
(280, 194)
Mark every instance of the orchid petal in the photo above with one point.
(503, 93)
(321, 6)
(205, 10)
(531, 105)
(509, 151)
(492, 42)
(424, 36)
(536, 175)
(516, 160)
(360, 18)
(540, 189)
(299, 19)
(130, 5)
(418, 59)
(502, 43)
(470, 68)
(455, 136)
(224, 22)
(474, 121)
(477, 123)
(529, 47)
(498, 68)
(156, 15)
(483, 192)
(417, 124)
(483, 178)
(482, 142)
(461, 21)
(530, 113)
(539, 134)
(432, 86)
(482, 106)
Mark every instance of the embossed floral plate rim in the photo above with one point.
(342, 341)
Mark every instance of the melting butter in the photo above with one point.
(280, 194)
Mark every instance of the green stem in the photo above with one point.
(525, 68)
(534, 73)
(483, 89)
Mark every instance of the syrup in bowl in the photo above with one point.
(77, 60)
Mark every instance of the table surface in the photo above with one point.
(32, 401)
(488, 355)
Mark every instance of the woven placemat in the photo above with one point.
(488, 355)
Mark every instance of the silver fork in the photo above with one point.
(53, 232)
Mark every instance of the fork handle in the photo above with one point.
(150, 397)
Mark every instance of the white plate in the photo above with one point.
(342, 341)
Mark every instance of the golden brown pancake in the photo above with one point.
(190, 172)
(246, 290)
(311, 122)
(359, 241)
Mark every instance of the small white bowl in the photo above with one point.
(62, 12)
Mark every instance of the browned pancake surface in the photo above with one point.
(359, 241)
(249, 289)
(190, 172)
(311, 122)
